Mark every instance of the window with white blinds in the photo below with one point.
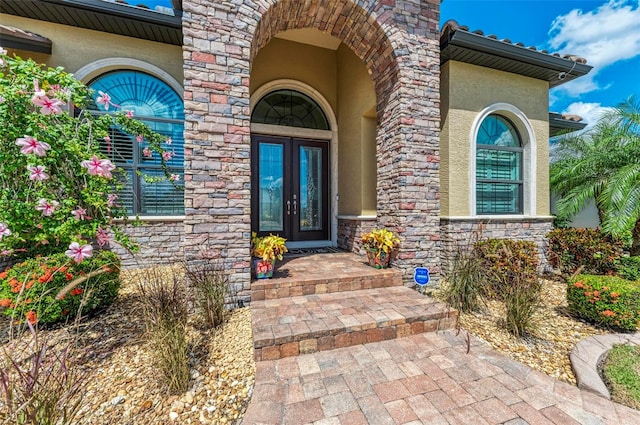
(157, 105)
(499, 183)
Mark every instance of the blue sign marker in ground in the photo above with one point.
(421, 276)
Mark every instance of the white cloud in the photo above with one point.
(604, 36)
(590, 112)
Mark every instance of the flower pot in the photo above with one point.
(263, 269)
(378, 259)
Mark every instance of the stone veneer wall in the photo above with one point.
(350, 233)
(160, 242)
(461, 233)
(397, 40)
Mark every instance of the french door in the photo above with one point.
(290, 187)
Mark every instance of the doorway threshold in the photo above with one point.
(308, 244)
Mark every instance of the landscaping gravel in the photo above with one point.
(547, 349)
(121, 386)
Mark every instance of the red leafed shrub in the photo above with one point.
(505, 261)
(605, 300)
(589, 251)
(50, 289)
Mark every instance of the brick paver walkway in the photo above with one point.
(422, 379)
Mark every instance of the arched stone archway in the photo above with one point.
(397, 40)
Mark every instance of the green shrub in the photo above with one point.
(629, 268)
(506, 262)
(464, 280)
(583, 250)
(605, 300)
(51, 289)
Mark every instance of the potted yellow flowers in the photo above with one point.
(379, 245)
(266, 250)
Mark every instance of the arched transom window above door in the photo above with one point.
(289, 108)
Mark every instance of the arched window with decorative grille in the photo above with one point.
(153, 102)
(499, 167)
(289, 108)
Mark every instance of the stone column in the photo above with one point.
(217, 138)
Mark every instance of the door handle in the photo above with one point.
(295, 205)
(288, 207)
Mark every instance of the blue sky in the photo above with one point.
(605, 32)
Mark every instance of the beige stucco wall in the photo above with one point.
(283, 59)
(74, 47)
(357, 143)
(342, 79)
(465, 91)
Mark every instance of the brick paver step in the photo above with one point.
(321, 274)
(306, 324)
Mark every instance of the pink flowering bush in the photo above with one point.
(59, 191)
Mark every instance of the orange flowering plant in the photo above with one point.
(50, 289)
(605, 300)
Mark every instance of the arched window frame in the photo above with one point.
(93, 72)
(529, 154)
(312, 104)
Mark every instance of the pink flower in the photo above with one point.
(102, 237)
(167, 155)
(107, 139)
(168, 141)
(129, 114)
(30, 145)
(139, 138)
(47, 106)
(4, 230)
(79, 213)
(99, 167)
(104, 99)
(111, 200)
(147, 153)
(175, 177)
(2, 99)
(37, 173)
(78, 253)
(47, 207)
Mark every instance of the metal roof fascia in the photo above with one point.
(121, 11)
(557, 123)
(509, 51)
(19, 43)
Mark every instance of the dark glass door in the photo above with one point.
(290, 188)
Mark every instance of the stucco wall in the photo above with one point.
(74, 47)
(466, 90)
(356, 139)
(283, 59)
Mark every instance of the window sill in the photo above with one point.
(153, 218)
(358, 217)
(512, 217)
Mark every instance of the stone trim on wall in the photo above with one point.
(461, 233)
(160, 242)
(350, 233)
